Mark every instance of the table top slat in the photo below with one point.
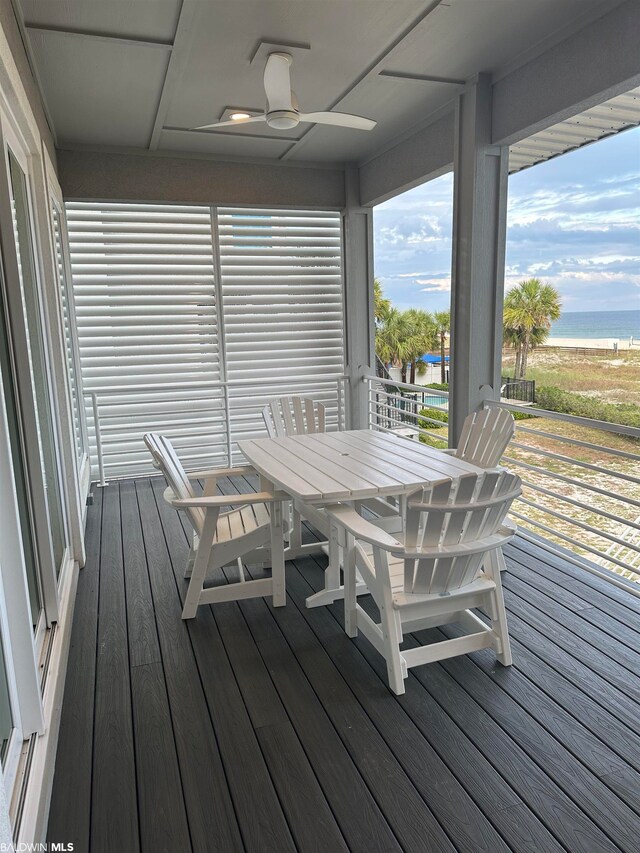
(350, 465)
(438, 465)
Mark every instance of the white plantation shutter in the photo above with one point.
(68, 318)
(143, 280)
(189, 318)
(281, 279)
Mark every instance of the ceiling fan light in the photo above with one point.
(239, 116)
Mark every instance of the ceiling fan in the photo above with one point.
(282, 111)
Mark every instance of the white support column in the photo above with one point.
(479, 234)
(358, 295)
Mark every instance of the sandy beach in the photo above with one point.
(595, 343)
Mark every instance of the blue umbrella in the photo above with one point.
(433, 359)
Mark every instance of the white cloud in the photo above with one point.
(437, 285)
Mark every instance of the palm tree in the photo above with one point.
(529, 309)
(382, 306)
(442, 321)
(403, 337)
(392, 336)
(422, 338)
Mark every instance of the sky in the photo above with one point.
(573, 222)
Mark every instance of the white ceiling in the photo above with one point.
(141, 73)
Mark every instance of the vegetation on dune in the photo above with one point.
(556, 400)
(611, 378)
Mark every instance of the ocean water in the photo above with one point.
(597, 324)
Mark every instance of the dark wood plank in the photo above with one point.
(311, 820)
(545, 581)
(163, 819)
(614, 661)
(564, 818)
(114, 774)
(359, 817)
(141, 622)
(210, 811)
(578, 702)
(447, 798)
(539, 723)
(529, 628)
(592, 595)
(517, 824)
(411, 820)
(260, 694)
(70, 810)
(258, 728)
(566, 567)
(260, 816)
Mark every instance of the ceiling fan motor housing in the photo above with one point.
(283, 119)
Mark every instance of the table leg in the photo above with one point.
(277, 556)
(333, 589)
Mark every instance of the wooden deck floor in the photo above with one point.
(256, 729)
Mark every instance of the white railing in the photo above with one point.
(581, 485)
(581, 477)
(396, 407)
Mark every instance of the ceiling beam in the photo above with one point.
(377, 65)
(593, 65)
(98, 36)
(424, 155)
(175, 68)
(421, 78)
(234, 134)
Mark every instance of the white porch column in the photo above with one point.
(359, 318)
(479, 233)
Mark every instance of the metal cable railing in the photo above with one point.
(581, 477)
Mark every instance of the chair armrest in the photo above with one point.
(239, 471)
(224, 500)
(362, 529)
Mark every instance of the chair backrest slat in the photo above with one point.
(485, 436)
(166, 459)
(462, 512)
(293, 416)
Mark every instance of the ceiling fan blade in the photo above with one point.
(339, 120)
(277, 82)
(231, 122)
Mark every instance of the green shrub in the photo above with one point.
(522, 416)
(556, 400)
(435, 414)
(438, 386)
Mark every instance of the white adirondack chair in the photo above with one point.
(485, 436)
(293, 416)
(222, 538)
(287, 416)
(448, 563)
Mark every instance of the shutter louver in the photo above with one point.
(143, 279)
(160, 338)
(281, 276)
(68, 321)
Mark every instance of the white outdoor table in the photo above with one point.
(323, 468)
